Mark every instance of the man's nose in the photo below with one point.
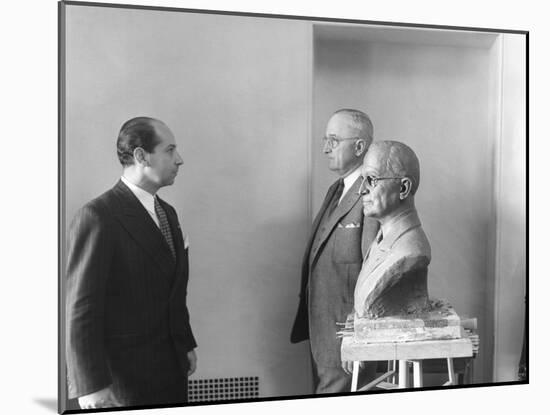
(326, 147)
(363, 189)
(179, 160)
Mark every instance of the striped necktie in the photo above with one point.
(165, 227)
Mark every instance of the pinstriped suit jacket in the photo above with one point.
(127, 320)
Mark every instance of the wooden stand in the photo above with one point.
(405, 353)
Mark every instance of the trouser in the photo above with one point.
(335, 380)
(171, 394)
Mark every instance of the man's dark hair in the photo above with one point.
(137, 132)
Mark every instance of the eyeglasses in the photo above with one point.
(334, 141)
(372, 182)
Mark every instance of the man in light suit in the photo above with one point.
(393, 279)
(128, 337)
(334, 252)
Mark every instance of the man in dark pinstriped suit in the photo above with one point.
(129, 341)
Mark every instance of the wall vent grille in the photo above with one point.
(222, 389)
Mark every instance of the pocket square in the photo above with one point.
(185, 237)
(185, 240)
(350, 225)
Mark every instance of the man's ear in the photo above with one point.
(405, 189)
(140, 156)
(360, 147)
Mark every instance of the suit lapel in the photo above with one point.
(347, 203)
(139, 224)
(376, 257)
(317, 221)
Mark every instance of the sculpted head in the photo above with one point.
(146, 148)
(347, 138)
(391, 175)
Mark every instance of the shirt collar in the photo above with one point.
(145, 198)
(350, 179)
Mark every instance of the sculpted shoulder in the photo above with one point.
(413, 243)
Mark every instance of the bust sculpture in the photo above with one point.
(393, 278)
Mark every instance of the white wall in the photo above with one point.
(236, 93)
(436, 98)
(510, 192)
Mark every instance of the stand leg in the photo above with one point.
(451, 370)
(403, 374)
(417, 373)
(469, 373)
(355, 376)
(391, 366)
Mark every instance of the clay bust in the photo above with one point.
(393, 278)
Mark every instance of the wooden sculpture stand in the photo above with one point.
(404, 353)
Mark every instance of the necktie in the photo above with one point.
(380, 236)
(165, 227)
(374, 245)
(336, 197)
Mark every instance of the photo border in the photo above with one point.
(61, 194)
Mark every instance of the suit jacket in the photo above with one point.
(394, 276)
(330, 267)
(127, 318)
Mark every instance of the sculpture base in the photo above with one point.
(438, 322)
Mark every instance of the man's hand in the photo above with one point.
(192, 357)
(103, 398)
(347, 366)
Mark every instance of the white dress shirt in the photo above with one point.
(148, 202)
(145, 198)
(349, 180)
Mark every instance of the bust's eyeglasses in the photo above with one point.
(372, 182)
(334, 141)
